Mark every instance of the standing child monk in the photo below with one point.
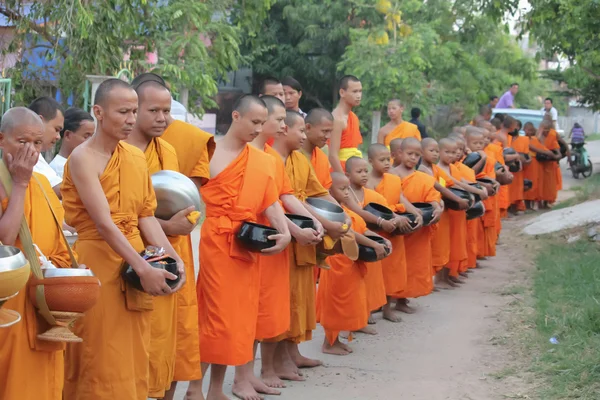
(21, 354)
(531, 171)
(397, 128)
(319, 125)
(516, 188)
(108, 198)
(417, 187)
(346, 137)
(548, 176)
(395, 150)
(342, 293)
(390, 187)
(241, 188)
(154, 104)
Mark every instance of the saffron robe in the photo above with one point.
(418, 187)
(548, 185)
(472, 225)
(321, 166)
(351, 139)
(194, 149)
(440, 240)
(515, 189)
(458, 233)
(342, 292)
(112, 362)
(403, 130)
(303, 318)
(274, 296)
(503, 193)
(21, 353)
(532, 171)
(487, 234)
(228, 282)
(394, 265)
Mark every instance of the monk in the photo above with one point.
(319, 125)
(21, 353)
(302, 258)
(154, 105)
(502, 135)
(357, 171)
(397, 128)
(271, 86)
(547, 173)
(346, 137)
(417, 187)
(342, 293)
(241, 188)
(108, 198)
(274, 295)
(395, 150)
(390, 187)
(516, 188)
(531, 171)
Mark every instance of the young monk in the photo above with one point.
(395, 150)
(397, 128)
(274, 296)
(194, 148)
(21, 353)
(108, 198)
(154, 104)
(79, 126)
(241, 188)
(319, 125)
(516, 189)
(342, 292)
(271, 86)
(548, 176)
(302, 258)
(417, 187)
(346, 137)
(390, 187)
(531, 171)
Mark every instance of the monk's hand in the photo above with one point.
(403, 224)
(179, 225)
(388, 225)
(337, 230)
(380, 251)
(21, 165)
(319, 228)
(154, 282)
(307, 237)
(463, 204)
(483, 194)
(388, 244)
(182, 276)
(281, 242)
(437, 214)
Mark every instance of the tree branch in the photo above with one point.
(14, 16)
(589, 72)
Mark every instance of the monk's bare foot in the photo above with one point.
(457, 280)
(286, 369)
(390, 315)
(305, 362)
(216, 395)
(368, 330)
(271, 380)
(245, 391)
(446, 284)
(194, 391)
(405, 308)
(371, 320)
(346, 347)
(337, 349)
(344, 334)
(463, 274)
(261, 386)
(435, 288)
(469, 271)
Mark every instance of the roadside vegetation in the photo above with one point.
(589, 190)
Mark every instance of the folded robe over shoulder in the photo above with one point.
(31, 368)
(321, 166)
(112, 362)
(228, 283)
(403, 130)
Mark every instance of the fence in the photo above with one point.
(5, 92)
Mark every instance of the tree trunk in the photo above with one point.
(375, 124)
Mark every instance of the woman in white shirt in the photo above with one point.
(79, 126)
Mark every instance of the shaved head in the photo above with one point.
(243, 104)
(410, 143)
(272, 103)
(143, 88)
(17, 117)
(375, 149)
(147, 77)
(396, 145)
(473, 131)
(338, 179)
(292, 118)
(346, 80)
(396, 102)
(354, 162)
(446, 142)
(427, 142)
(106, 87)
(317, 115)
(266, 82)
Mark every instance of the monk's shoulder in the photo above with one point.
(42, 180)
(264, 159)
(424, 178)
(392, 179)
(167, 147)
(133, 155)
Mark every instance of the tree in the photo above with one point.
(195, 42)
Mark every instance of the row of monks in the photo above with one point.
(139, 344)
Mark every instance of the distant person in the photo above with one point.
(292, 89)
(550, 109)
(79, 126)
(508, 99)
(577, 134)
(493, 102)
(415, 114)
(271, 87)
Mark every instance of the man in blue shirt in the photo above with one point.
(507, 100)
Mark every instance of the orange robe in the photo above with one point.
(376, 292)
(503, 193)
(351, 139)
(32, 369)
(533, 172)
(112, 362)
(160, 155)
(274, 296)
(516, 193)
(302, 258)
(458, 233)
(194, 149)
(418, 187)
(394, 265)
(487, 234)
(440, 240)
(321, 166)
(342, 293)
(228, 282)
(548, 185)
(472, 225)
(403, 130)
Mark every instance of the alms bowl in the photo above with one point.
(463, 194)
(326, 209)
(471, 159)
(477, 186)
(427, 212)
(254, 237)
(74, 290)
(169, 264)
(301, 221)
(379, 211)
(527, 184)
(174, 192)
(368, 254)
(477, 210)
(412, 219)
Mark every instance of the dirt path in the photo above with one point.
(451, 349)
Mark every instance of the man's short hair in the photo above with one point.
(291, 82)
(266, 82)
(47, 107)
(514, 84)
(549, 99)
(415, 112)
(492, 98)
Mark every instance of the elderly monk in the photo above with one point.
(346, 137)
(194, 148)
(154, 105)
(397, 128)
(241, 188)
(302, 258)
(319, 125)
(274, 298)
(21, 353)
(108, 198)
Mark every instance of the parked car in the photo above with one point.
(525, 115)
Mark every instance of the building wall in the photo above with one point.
(6, 36)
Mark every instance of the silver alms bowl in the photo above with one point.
(174, 192)
(11, 258)
(64, 272)
(327, 210)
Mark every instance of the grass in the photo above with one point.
(566, 293)
(592, 137)
(590, 189)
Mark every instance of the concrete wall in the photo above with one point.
(589, 120)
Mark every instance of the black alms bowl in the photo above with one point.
(427, 212)
(379, 211)
(514, 166)
(368, 254)
(471, 159)
(543, 158)
(477, 186)
(168, 264)
(412, 220)
(254, 237)
(509, 151)
(477, 210)
(463, 194)
(301, 221)
(526, 156)
(527, 184)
